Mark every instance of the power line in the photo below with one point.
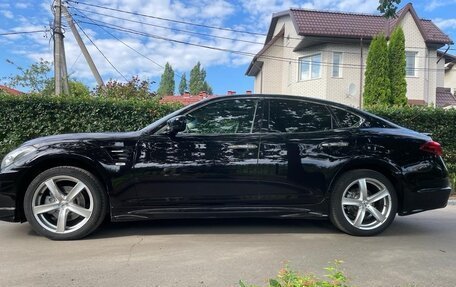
(208, 35)
(115, 37)
(208, 26)
(164, 27)
(166, 19)
(118, 39)
(87, 36)
(242, 53)
(23, 32)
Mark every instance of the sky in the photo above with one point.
(142, 45)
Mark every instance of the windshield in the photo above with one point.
(153, 126)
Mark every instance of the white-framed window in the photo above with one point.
(410, 66)
(336, 71)
(310, 67)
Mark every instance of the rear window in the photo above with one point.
(346, 119)
(292, 116)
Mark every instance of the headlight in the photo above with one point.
(16, 154)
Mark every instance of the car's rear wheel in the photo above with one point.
(65, 203)
(363, 203)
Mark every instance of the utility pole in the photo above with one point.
(83, 48)
(60, 70)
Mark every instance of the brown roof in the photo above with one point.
(185, 99)
(413, 102)
(10, 91)
(355, 25)
(444, 98)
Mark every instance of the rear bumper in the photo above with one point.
(425, 199)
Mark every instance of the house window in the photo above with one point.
(337, 65)
(410, 64)
(310, 67)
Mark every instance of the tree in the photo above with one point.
(77, 89)
(167, 83)
(388, 7)
(134, 89)
(397, 64)
(36, 77)
(207, 88)
(377, 88)
(198, 80)
(183, 84)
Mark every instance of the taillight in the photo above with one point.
(432, 147)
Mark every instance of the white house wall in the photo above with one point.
(270, 77)
(283, 76)
(422, 86)
(450, 79)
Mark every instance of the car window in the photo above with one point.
(224, 117)
(294, 116)
(346, 119)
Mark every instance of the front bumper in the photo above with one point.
(8, 197)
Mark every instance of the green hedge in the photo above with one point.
(27, 117)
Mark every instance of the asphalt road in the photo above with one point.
(418, 250)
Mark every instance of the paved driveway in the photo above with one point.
(419, 249)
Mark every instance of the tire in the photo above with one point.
(65, 203)
(363, 203)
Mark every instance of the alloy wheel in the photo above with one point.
(366, 203)
(62, 204)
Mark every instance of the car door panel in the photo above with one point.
(300, 145)
(214, 163)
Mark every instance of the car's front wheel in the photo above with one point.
(65, 203)
(363, 202)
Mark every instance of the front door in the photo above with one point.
(212, 164)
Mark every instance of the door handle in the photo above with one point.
(335, 144)
(243, 146)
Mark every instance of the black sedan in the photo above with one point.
(230, 156)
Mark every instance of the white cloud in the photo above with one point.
(445, 23)
(7, 14)
(22, 5)
(434, 4)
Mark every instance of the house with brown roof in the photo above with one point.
(323, 54)
(10, 91)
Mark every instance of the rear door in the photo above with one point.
(301, 144)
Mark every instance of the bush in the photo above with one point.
(290, 278)
(26, 117)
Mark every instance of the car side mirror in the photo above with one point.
(176, 125)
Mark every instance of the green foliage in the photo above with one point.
(36, 77)
(388, 7)
(438, 122)
(77, 89)
(397, 62)
(167, 83)
(183, 84)
(30, 116)
(290, 278)
(377, 84)
(198, 80)
(134, 89)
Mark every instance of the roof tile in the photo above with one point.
(354, 25)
